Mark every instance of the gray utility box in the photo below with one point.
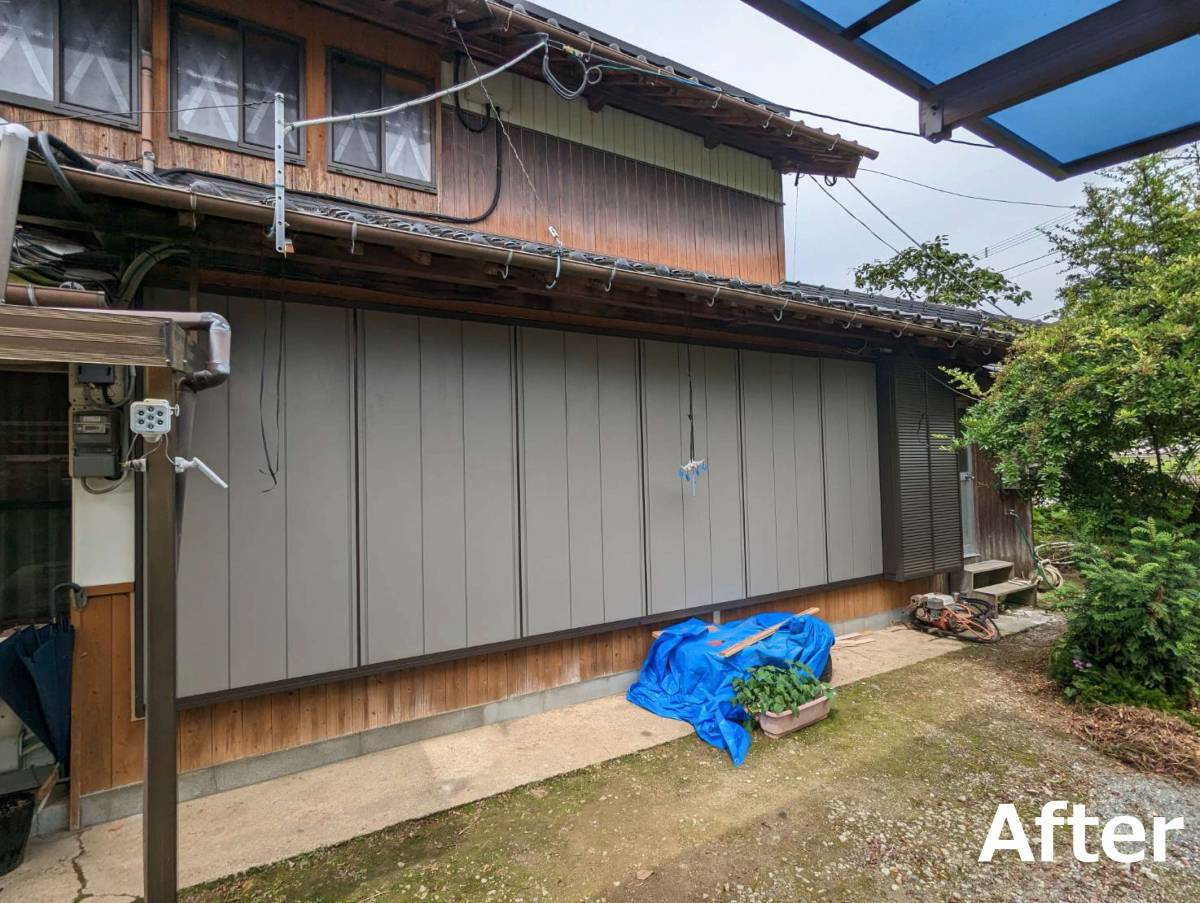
(96, 443)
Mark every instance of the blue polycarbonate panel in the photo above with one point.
(843, 12)
(939, 39)
(1147, 96)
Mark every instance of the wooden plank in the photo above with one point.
(228, 743)
(92, 692)
(128, 735)
(761, 635)
(195, 739)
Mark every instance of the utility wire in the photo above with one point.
(1016, 266)
(851, 214)
(959, 194)
(916, 244)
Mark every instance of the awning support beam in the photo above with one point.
(1113, 35)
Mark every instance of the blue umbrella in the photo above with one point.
(35, 681)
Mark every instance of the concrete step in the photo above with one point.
(989, 571)
(1000, 592)
(984, 567)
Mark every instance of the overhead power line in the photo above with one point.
(853, 216)
(959, 194)
(1017, 266)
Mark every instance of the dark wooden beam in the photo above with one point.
(1106, 38)
(875, 18)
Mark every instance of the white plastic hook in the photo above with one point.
(507, 263)
(778, 315)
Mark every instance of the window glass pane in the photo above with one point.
(27, 48)
(353, 89)
(35, 495)
(408, 150)
(97, 54)
(206, 77)
(271, 63)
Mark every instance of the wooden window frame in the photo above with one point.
(380, 175)
(132, 121)
(242, 26)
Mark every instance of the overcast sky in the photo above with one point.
(730, 41)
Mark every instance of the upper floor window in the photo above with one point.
(74, 53)
(226, 74)
(398, 147)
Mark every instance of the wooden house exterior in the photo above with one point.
(452, 435)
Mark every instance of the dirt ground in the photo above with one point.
(890, 798)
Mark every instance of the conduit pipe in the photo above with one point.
(14, 144)
(48, 296)
(330, 227)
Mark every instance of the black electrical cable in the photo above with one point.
(458, 110)
(48, 148)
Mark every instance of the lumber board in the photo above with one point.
(761, 635)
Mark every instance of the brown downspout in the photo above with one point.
(147, 92)
(47, 296)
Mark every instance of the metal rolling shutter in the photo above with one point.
(922, 520)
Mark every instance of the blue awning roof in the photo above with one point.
(1067, 85)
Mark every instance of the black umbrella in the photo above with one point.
(35, 681)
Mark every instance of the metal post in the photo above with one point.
(14, 143)
(280, 227)
(159, 796)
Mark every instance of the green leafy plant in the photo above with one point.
(769, 688)
(1134, 631)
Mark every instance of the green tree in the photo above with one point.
(1101, 409)
(932, 272)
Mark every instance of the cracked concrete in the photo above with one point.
(229, 832)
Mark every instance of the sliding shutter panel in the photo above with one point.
(920, 471)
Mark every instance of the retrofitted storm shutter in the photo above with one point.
(919, 471)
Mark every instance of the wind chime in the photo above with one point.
(693, 469)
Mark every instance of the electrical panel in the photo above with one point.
(96, 374)
(96, 444)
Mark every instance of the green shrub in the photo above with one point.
(1134, 630)
(768, 688)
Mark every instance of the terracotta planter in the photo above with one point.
(776, 724)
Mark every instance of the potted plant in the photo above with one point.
(783, 699)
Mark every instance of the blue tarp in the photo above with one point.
(685, 677)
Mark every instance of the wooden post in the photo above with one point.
(159, 793)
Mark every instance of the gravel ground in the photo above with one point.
(890, 798)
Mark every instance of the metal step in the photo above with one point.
(998, 592)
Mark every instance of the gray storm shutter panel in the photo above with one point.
(27, 47)
(390, 493)
(207, 62)
(922, 516)
(270, 64)
(661, 405)
(407, 144)
(727, 541)
(97, 54)
(354, 88)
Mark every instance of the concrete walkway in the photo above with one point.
(232, 831)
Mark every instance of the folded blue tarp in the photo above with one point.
(685, 677)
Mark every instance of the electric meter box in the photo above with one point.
(96, 443)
